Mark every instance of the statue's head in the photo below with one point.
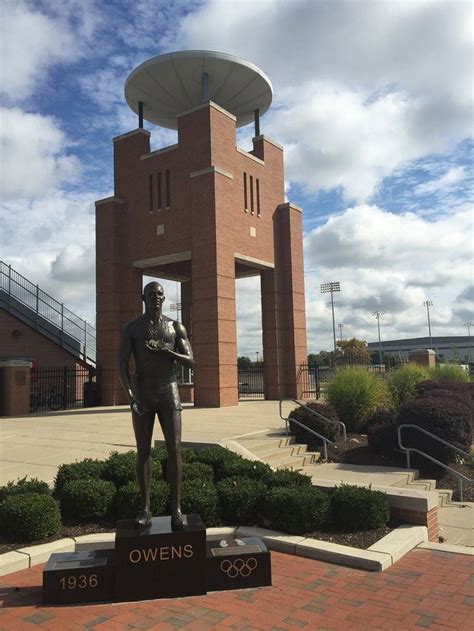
(153, 296)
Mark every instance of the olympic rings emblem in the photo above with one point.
(239, 567)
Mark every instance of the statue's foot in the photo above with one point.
(143, 519)
(178, 521)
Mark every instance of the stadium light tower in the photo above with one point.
(428, 304)
(340, 325)
(378, 314)
(331, 288)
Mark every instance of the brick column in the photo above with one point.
(186, 317)
(118, 291)
(270, 335)
(290, 292)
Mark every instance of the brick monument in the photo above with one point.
(202, 212)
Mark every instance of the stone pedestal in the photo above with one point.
(423, 357)
(156, 562)
(79, 577)
(237, 564)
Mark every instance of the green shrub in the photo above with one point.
(382, 438)
(86, 499)
(445, 418)
(402, 382)
(285, 477)
(355, 394)
(198, 471)
(127, 500)
(243, 468)
(462, 390)
(329, 430)
(24, 486)
(454, 372)
(200, 496)
(29, 517)
(217, 457)
(87, 468)
(240, 500)
(120, 468)
(297, 510)
(358, 508)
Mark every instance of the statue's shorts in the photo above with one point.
(163, 399)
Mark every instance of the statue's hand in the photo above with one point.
(137, 407)
(156, 345)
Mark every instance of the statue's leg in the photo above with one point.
(143, 428)
(170, 422)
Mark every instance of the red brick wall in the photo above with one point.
(31, 344)
(206, 217)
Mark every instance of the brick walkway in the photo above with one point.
(425, 589)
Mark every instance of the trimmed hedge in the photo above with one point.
(120, 468)
(329, 430)
(24, 486)
(87, 468)
(127, 499)
(445, 418)
(358, 508)
(242, 468)
(29, 517)
(241, 500)
(286, 477)
(297, 510)
(218, 458)
(200, 496)
(87, 499)
(198, 471)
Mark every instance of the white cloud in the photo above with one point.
(454, 176)
(35, 38)
(33, 152)
(361, 88)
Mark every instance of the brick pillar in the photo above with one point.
(118, 290)
(15, 387)
(270, 335)
(186, 317)
(290, 291)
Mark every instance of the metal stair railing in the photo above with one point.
(459, 475)
(324, 439)
(39, 308)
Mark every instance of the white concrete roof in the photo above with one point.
(170, 84)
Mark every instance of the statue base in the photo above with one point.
(156, 562)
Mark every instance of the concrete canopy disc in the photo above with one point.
(170, 84)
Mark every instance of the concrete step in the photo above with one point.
(263, 451)
(445, 497)
(262, 443)
(423, 484)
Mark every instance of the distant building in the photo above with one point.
(448, 348)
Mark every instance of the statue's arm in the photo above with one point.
(124, 354)
(183, 352)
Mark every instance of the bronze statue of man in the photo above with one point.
(156, 343)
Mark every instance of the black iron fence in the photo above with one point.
(62, 387)
(251, 383)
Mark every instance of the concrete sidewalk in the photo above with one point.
(35, 445)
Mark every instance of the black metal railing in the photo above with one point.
(309, 380)
(31, 304)
(62, 387)
(251, 383)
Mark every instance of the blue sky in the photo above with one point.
(372, 101)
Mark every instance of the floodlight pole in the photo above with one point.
(331, 288)
(378, 315)
(428, 304)
(340, 325)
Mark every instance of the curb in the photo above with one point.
(377, 558)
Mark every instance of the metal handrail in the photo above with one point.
(45, 307)
(459, 475)
(325, 440)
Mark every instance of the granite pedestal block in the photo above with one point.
(79, 577)
(155, 562)
(234, 566)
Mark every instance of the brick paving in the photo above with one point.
(425, 589)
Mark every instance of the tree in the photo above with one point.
(354, 350)
(244, 362)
